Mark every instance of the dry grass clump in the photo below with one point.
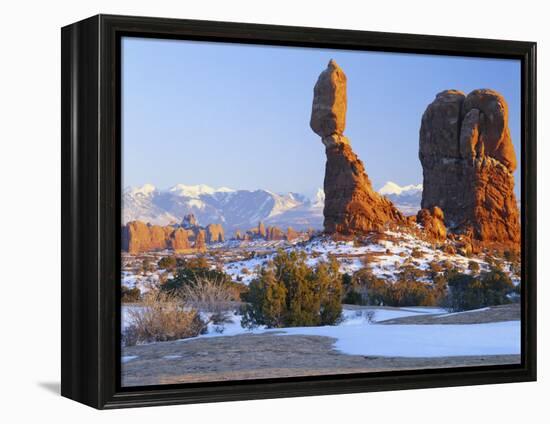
(208, 295)
(161, 317)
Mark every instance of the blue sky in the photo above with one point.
(237, 115)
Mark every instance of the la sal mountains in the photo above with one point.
(243, 209)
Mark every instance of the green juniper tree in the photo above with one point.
(289, 293)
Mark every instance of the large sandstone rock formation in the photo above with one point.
(274, 233)
(433, 222)
(138, 237)
(351, 205)
(200, 240)
(468, 161)
(214, 233)
(179, 240)
(291, 234)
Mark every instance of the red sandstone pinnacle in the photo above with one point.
(352, 207)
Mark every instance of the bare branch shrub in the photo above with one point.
(162, 316)
(208, 295)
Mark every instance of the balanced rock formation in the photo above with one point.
(468, 161)
(433, 222)
(328, 111)
(351, 205)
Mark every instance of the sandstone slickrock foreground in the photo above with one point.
(468, 161)
(352, 207)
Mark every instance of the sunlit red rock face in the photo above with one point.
(139, 237)
(468, 161)
(433, 222)
(214, 233)
(351, 205)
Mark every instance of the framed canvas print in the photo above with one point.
(255, 211)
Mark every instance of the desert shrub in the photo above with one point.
(498, 286)
(512, 256)
(474, 267)
(367, 289)
(491, 261)
(435, 269)
(417, 253)
(410, 272)
(347, 280)
(162, 316)
(448, 265)
(477, 291)
(328, 281)
(289, 293)
(266, 299)
(353, 297)
(146, 265)
(353, 293)
(515, 267)
(193, 271)
(130, 336)
(206, 294)
(167, 262)
(196, 262)
(439, 289)
(410, 293)
(130, 295)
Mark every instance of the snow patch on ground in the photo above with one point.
(358, 334)
(421, 340)
(463, 312)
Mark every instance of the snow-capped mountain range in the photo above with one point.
(406, 198)
(241, 209)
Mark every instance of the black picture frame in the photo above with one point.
(91, 210)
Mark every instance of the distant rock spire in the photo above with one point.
(261, 229)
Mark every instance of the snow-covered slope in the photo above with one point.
(234, 209)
